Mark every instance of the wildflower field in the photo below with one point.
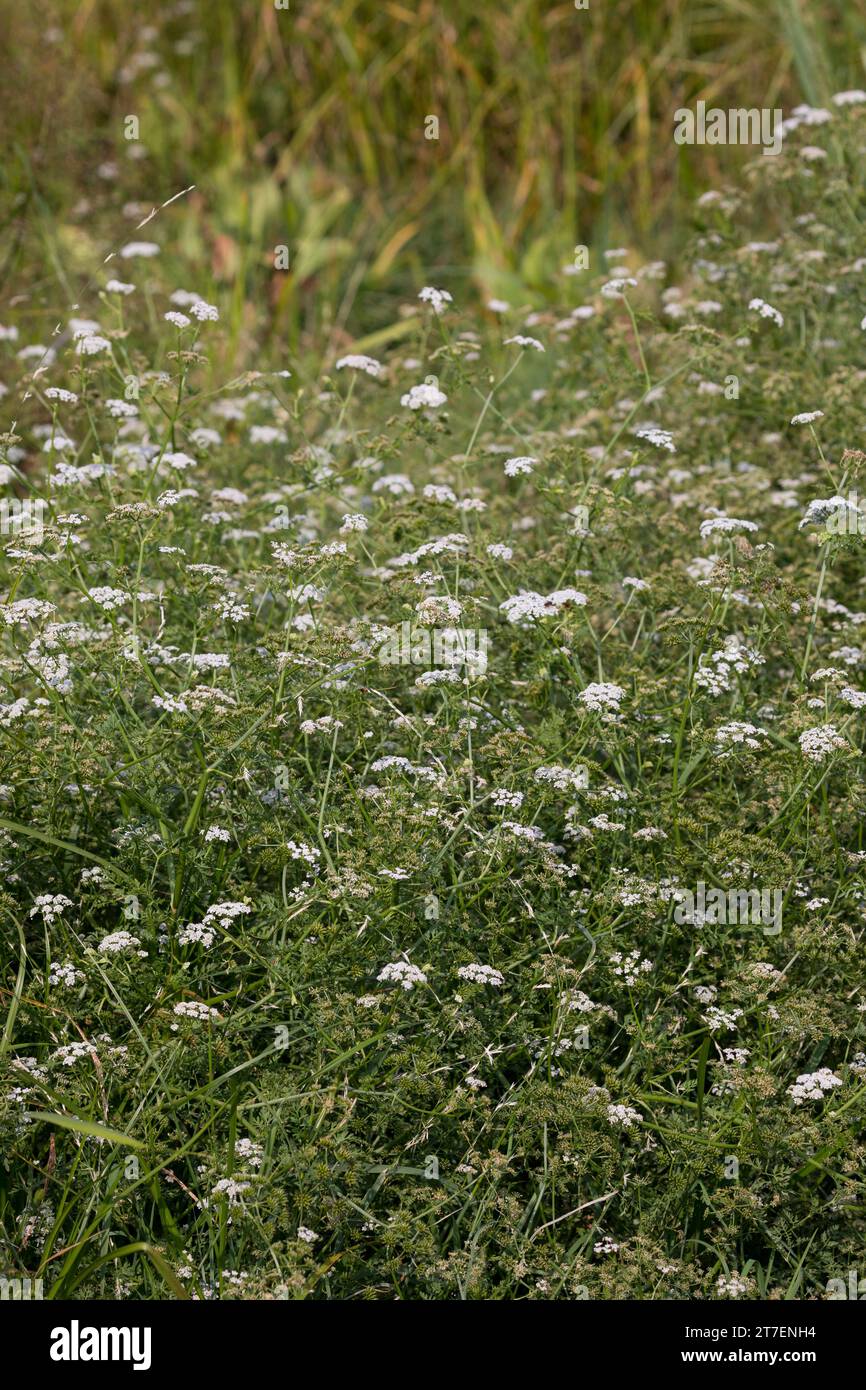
(432, 788)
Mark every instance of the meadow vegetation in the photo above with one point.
(332, 969)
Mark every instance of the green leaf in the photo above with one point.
(80, 1126)
(702, 1076)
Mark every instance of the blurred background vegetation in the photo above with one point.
(306, 126)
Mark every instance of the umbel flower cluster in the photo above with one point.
(369, 958)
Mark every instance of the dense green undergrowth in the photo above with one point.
(332, 975)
